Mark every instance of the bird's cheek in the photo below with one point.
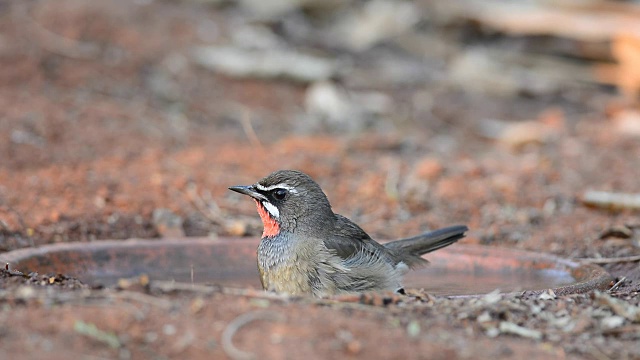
(271, 226)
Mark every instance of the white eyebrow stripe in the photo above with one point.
(291, 189)
(271, 209)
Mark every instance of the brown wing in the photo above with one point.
(349, 239)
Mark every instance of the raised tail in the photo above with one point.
(428, 242)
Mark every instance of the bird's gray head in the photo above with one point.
(289, 200)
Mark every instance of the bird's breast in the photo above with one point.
(282, 266)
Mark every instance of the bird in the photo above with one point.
(307, 249)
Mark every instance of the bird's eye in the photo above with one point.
(279, 194)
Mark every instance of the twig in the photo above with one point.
(239, 322)
(92, 331)
(611, 200)
(351, 302)
(611, 260)
(171, 286)
(616, 285)
(11, 272)
(143, 298)
(257, 294)
(208, 209)
(211, 205)
(247, 126)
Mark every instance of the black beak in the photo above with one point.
(248, 190)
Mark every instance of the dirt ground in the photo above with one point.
(105, 121)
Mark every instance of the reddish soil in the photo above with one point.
(91, 144)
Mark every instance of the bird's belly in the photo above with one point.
(285, 278)
(284, 270)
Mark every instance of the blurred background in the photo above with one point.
(128, 119)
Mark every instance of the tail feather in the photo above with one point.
(428, 242)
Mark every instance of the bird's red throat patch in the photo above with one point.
(271, 226)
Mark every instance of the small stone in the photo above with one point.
(627, 123)
(413, 329)
(236, 228)
(124, 283)
(333, 107)
(511, 328)
(169, 329)
(354, 347)
(25, 292)
(484, 317)
(612, 322)
(428, 168)
(100, 202)
(375, 21)
(150, 337)
(196, 305)
(143, 280)
(276, 338)
(261, 303)
(266, 64)
(547, 295)
(492, 297)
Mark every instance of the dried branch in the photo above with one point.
(611, 260)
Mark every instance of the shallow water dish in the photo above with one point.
(456, 270)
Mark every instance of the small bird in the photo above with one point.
(307, 249)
